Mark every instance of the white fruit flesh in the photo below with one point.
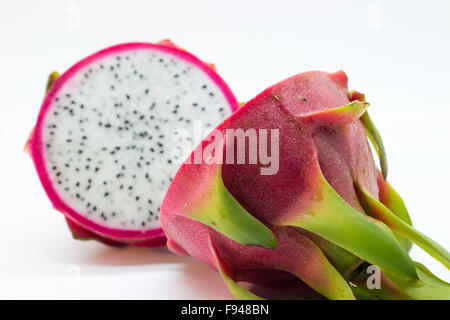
(111, 129)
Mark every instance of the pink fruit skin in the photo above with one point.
(342, 151)
(81, 227)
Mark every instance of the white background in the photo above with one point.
(397, 52)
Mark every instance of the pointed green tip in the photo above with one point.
(340, 116)
(372, 133)
(379, 211)
(235, 289)
(224, 214)
(355, 108)
(51, 79)
(375, 138)
(335, 220)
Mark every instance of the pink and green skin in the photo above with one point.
(327, 212)
(80, 227)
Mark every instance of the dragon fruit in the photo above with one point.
(104, 141)
(319, 210)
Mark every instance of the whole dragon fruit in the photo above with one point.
(316, 208)
(103, 139)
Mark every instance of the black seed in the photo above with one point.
(106, 194)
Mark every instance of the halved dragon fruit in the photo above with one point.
(305, 200)
(104, 141)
